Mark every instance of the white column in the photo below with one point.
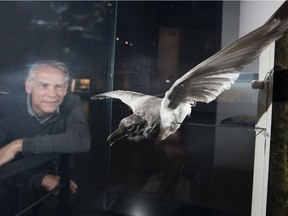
(252, 15)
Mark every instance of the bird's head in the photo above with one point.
(132, 127)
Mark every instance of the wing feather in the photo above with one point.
(130, 98)
(216, 74)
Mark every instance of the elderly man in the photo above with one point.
(46, 119)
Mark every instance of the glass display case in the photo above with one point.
(206, 167)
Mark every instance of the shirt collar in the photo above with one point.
(41, 120)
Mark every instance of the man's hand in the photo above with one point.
(8, 152)
(51, 181)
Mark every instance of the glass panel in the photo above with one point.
(77, 33)
(206, 167)
(81, 34)
(203, 168)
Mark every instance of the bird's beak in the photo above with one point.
(118, 134)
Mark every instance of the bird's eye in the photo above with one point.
(130, 127)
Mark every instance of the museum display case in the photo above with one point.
(208, 164)
(206, 167)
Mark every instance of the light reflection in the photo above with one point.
(139, 208)
(80, 85)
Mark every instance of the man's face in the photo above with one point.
(47, 90)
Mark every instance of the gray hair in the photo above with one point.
(49, 63)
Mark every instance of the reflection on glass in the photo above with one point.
(205, 164)
(80, 85)
(81, 34)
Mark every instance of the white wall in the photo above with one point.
(255, 13)
(252, 15)
(243, 17)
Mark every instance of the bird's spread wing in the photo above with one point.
(132, 99)
(216, 74)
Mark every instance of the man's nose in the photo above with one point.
(52, 91)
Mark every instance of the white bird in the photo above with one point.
(157, 118)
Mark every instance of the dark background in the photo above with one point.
(175, 177)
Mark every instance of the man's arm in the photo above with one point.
(74, 139)
(8, 152)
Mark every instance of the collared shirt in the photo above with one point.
(41, 120)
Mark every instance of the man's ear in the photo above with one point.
(28, 86)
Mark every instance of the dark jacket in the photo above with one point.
(65, 132)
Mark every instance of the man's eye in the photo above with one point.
(43, 86)
(60, 87)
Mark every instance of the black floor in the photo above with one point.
(129, 196)
(133, 205)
